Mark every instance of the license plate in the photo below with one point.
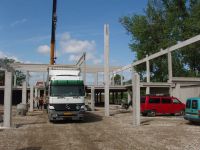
(68, 113)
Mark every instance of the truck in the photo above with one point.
(66, 94)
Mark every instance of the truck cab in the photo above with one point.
(66, 95)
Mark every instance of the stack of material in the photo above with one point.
(22, 109)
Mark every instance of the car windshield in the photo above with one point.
(70, 90)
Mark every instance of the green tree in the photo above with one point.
(164, 23)
(117, 79)
(5, 64)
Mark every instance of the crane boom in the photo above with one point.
(53, 30)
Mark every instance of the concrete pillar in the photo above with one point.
(31, 99)
(15, 80)
(39, 92)
(177, 91)
(8, 100)
(84, 68)
(113, 79)
(24, 92)
(169, 67)
(129, 95)
(136, 99)
(92, 98)
(170, 74)
(36, 92)
(147, 74)
(27, 78)
(96, 79)
(106, 69)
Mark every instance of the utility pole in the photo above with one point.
(53, 30)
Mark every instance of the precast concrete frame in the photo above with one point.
(146, 60)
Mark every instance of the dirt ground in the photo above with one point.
(35, 132)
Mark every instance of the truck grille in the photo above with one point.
(66, 107)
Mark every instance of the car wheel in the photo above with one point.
(144, 114)
(151, 113)
(182, 113)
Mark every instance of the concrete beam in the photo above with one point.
(106, 69)
(8, 100)
(43, 67)
(136, 99)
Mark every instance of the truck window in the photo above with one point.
(166, 100)
(194, 104)
(188, 103)
(154, 100)
(70, 90)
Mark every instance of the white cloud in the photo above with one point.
(43, 49)
(74, 57)
(4, 55)
(76, 47)
(17, 22)
(70, 45)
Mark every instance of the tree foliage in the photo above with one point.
(5, 64)
(164, 23)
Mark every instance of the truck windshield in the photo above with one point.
(70, 90)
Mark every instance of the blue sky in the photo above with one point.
(25, 29)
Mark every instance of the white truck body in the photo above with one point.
(66, 94)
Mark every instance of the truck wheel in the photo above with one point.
(151, 113)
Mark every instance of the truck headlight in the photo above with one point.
(51, 107)
(77, 107)
(83, 107)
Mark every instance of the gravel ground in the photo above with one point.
(96, 132)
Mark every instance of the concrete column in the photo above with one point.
(15, 80)
(84, 67)
(106, 69)
(113, 79)
(39, 92)
(170, 74)
(147, 74)
(92, 98)
(96, 78)
(129, 95)
(169, 67)
(8, 100)
(177, 91)
(24, 92)
(27, 78)
(136, 99)
(31, 99)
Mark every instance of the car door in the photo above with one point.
(166, 105)
(177, 106)
(154, 104)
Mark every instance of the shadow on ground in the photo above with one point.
(30, 148)
(89, 118)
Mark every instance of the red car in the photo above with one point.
(153, 105)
